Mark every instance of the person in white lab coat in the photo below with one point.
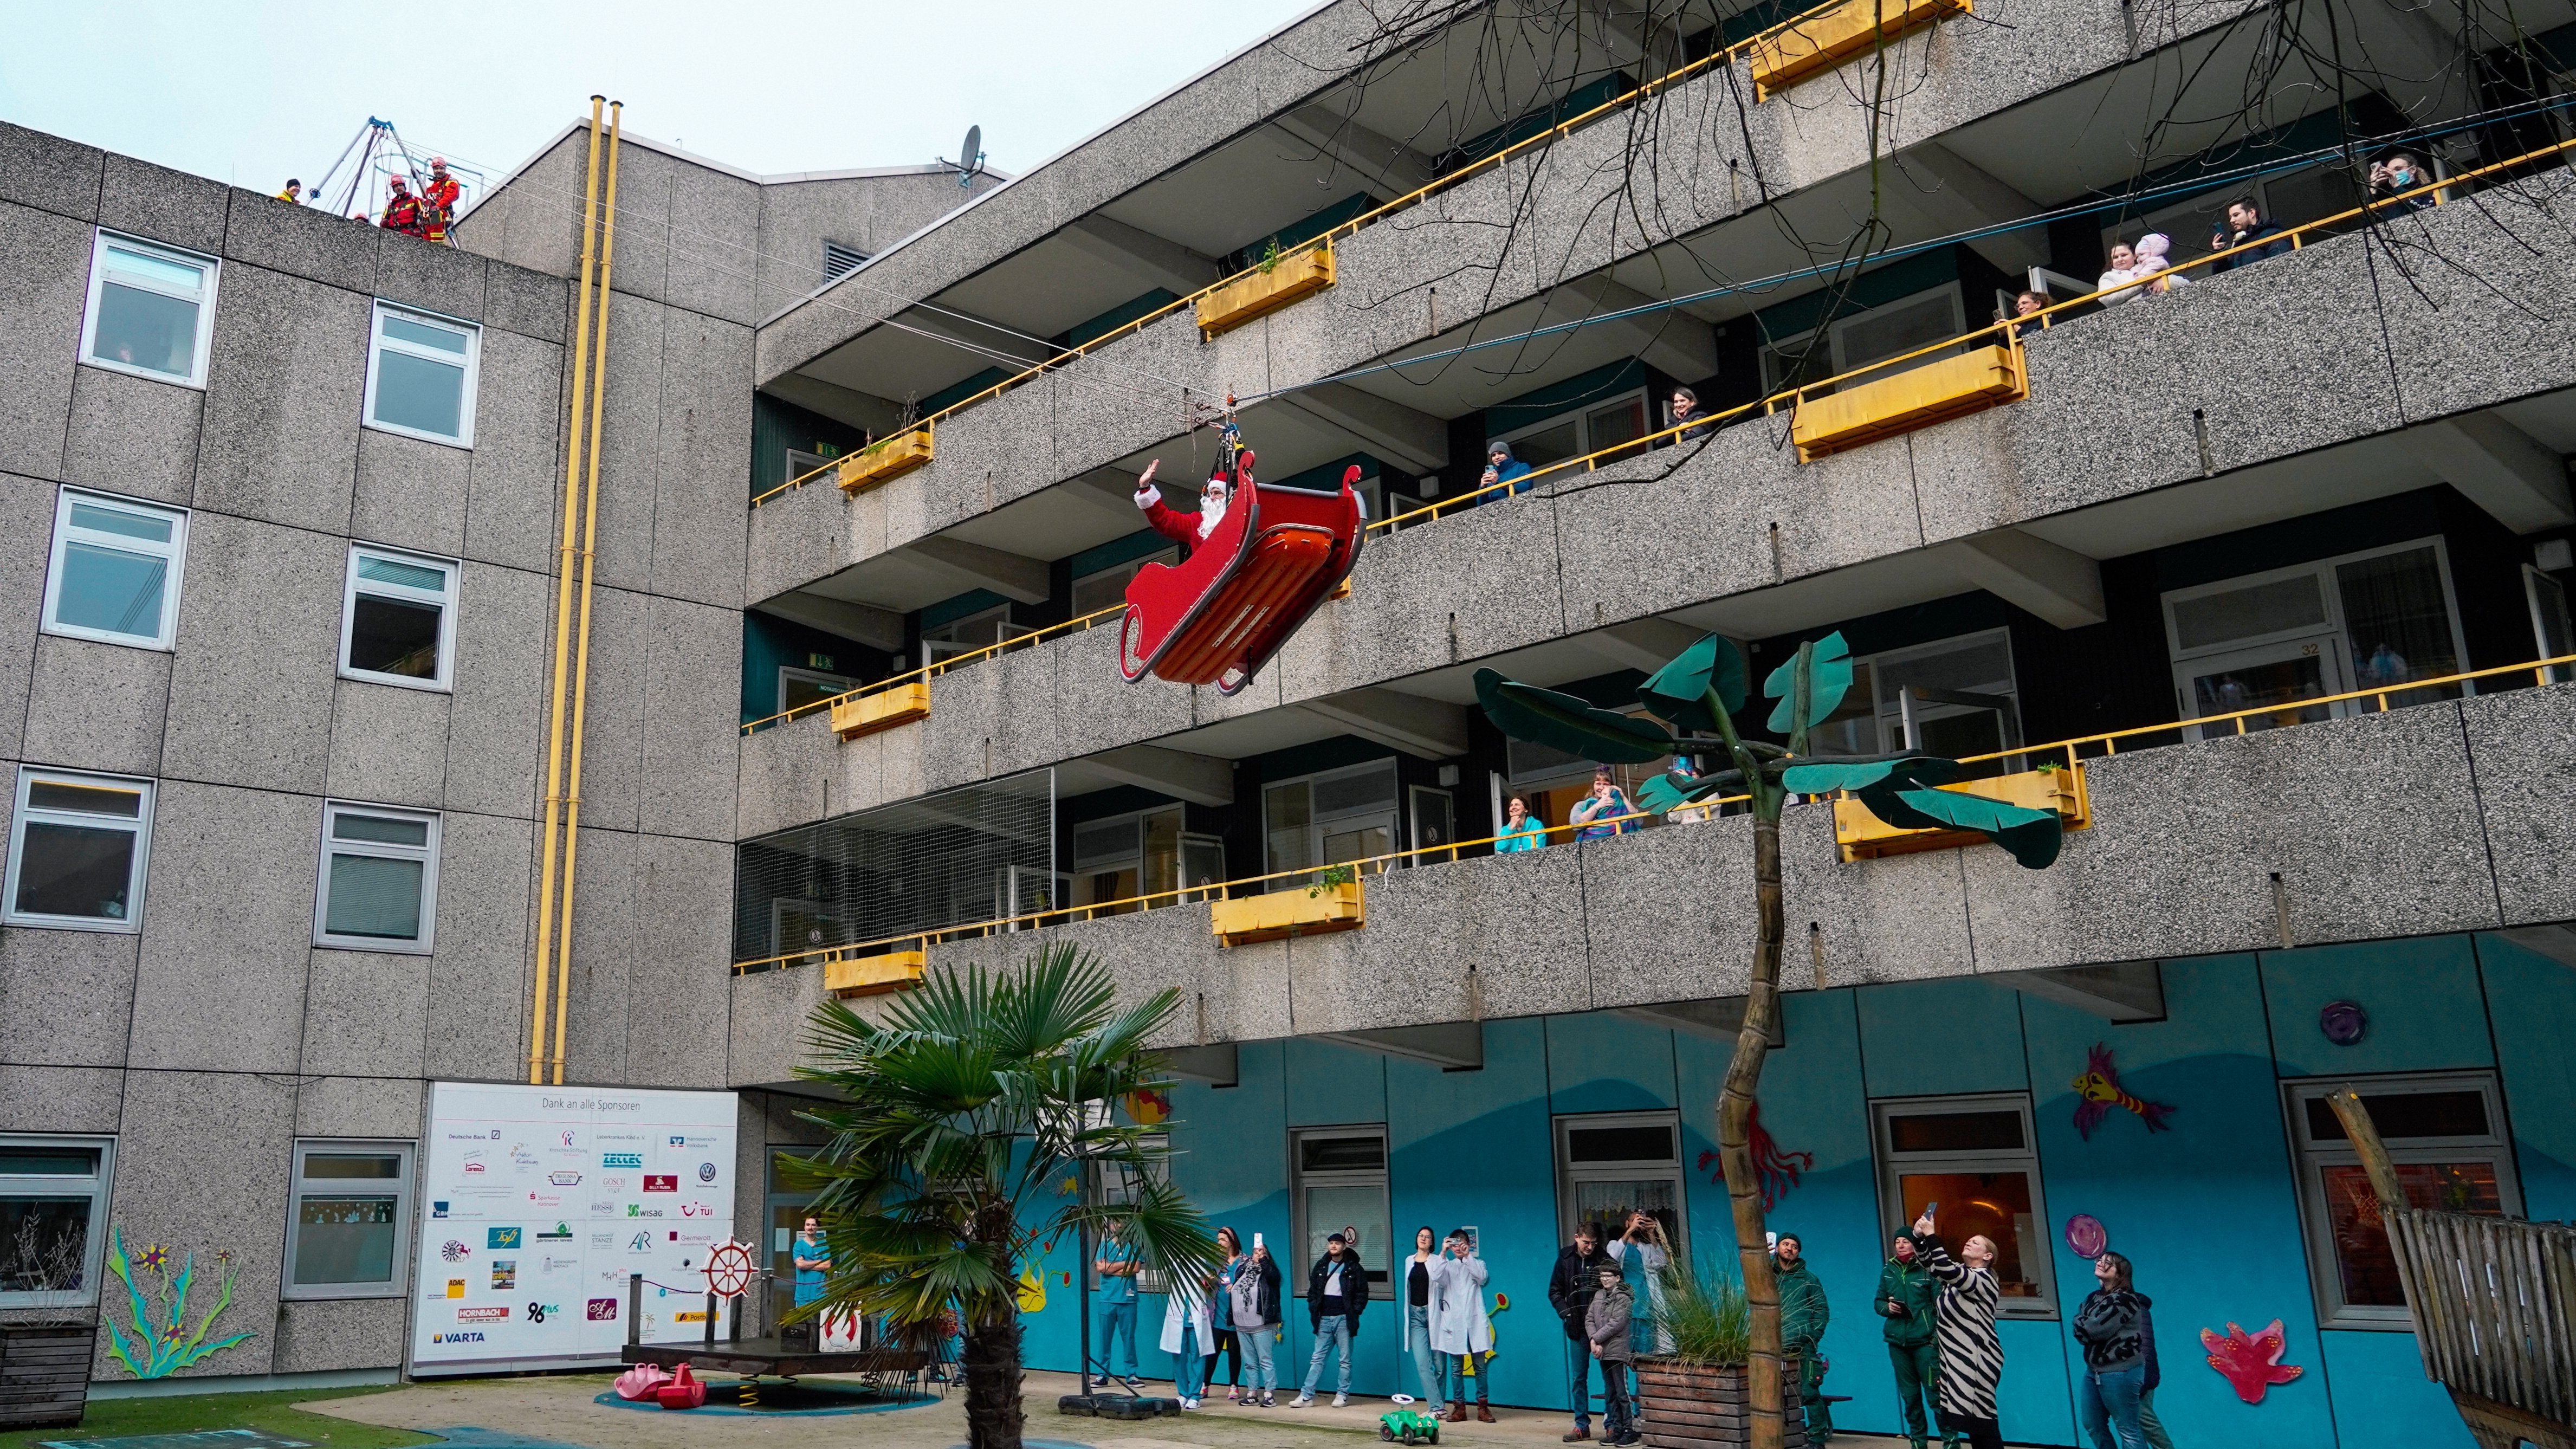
(1188, 1334)
(1459, 1327)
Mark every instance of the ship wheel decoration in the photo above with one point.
(728, 1269)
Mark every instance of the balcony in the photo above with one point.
(1257, 294)
(1824, 39)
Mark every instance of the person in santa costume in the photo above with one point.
(1183, 528)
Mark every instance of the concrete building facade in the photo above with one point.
(279, 601)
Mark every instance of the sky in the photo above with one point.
(254, 91)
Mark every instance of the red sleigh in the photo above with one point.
(1220, 614)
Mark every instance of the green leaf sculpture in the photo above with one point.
(1679, 691)
(2032, 836)
(1827, 777)
(1829, 678)
(1561, 721)
(1665, 793)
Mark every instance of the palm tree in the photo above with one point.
(967, 1122)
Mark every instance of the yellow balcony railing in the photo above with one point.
(1276, 915)
(874, 975)
(854, 715)
(1861, 835)
(883, 461)
(1918, 397)
(1257, 294)
(1825, 38)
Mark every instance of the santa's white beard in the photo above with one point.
(1211, 512)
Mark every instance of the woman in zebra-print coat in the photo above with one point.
(1972, 1357)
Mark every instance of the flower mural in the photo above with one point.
(158, 1348)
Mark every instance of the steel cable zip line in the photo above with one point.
(1838, 268)
(1703, 426)
(2107, 740)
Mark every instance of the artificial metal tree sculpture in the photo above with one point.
(1698, 694)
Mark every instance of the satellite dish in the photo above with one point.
(970, 156)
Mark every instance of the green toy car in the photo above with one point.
(1410, 1425)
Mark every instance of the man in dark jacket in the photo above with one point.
(1906, 1297)
(1336, 1290)
(1569, 1292)
(2247, 228)
(1803, 1315)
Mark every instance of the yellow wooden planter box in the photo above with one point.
(892, 458)
(1813, 44)
(1863, 836)
(868, 713)
(1289, 913)
(1917, 398)
(873, 975)
(1257, 294)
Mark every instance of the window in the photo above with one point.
(115, 570)
(1891, 329)
(2445, 1135)
(1107, 587)
(2361, 621)
(1119, 857)
(800, 462)
(348, 1219)
(150, 308)
(978, 630)
(77, 851)
(1955, 697)
(1588, 429)
(1973, 1156)
(53, 1219)
(1328, 819)
(1612, 1165)
(398, 622)
(2551, 632)
(379, 879)
(1116, 1184)
(798, 688)
(420, 377)
(1341, 1188)
(839, 260)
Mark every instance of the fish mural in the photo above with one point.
(2099, 1090)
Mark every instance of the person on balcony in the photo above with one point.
(1520, 831)
(1504, 471)
(2114, 286)
(2153, 253)
(1686, 408)
(2247, 228)
(1182, 528)
(1594, 814)
(2390, 180)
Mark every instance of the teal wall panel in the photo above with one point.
(2393, 980)
(2213, 1188)
(1935, 1038)
(1330, 1084)
(1605, 1062)
(2376, 1384)
(2531, 1009)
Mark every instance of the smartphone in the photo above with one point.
(1929, 1209)
(1256, 1240)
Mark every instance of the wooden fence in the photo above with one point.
(2495, 1315)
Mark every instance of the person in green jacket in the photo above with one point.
(1906, 1295)
(1803, 1315)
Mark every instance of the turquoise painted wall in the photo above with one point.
(2207, 1209)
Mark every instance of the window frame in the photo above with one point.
(377, 342)
(1570, 1175)
(2186, 664)
(2325, 1272)
(2039, 1254)
(174, 554)
(1300, 1232)
(444, 681)
(298, 1186)
(137, 874)
(1391, 815)
(839, 683)
(1169, 556)
(101, 1193)
(426, 854)
(1581, 414)
(101, 239)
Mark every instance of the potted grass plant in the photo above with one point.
(1698, 1395)
(47, 1340)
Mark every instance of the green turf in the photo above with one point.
(182, 1413)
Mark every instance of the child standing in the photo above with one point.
(1607, 1324)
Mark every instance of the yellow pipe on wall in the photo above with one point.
(589, 539)
(563, 617)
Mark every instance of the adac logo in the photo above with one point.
(632, 1161)
(561, 1234)
(454, 1251)
(661, 1182)
(537, 1311)
(452, 1336)
(455, 1287)
(603, 1310)
(706, 1172)
(565, 1179)
(498, 1238)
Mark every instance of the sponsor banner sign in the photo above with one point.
(539, 1197)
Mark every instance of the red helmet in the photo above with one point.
(401, 185)
(437, 163)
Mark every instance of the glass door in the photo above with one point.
(1435, 824)
(2279, 674)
